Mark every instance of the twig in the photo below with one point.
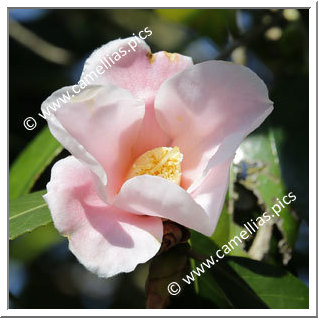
(37, 45)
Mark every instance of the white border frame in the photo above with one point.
(312, 164)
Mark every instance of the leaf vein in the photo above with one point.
(27, 211)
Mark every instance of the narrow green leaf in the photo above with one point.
(27, 213)
(32, 162)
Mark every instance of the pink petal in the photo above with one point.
(105, 239)
(207, 110)
(138, 71)
(141, 73)
(155, 196)
(100, 127)
(211, 193)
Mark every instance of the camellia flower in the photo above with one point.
(152, 139)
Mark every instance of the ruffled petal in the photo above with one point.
(105, 239)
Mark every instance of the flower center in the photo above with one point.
(164, 162)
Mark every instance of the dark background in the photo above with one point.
(273, 43)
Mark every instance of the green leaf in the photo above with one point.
(240, 282)
(28, 246)
(27, 213)
(252, 284)
(259, 171)
(209, 289)
(32, 162)
(278, 288)
(226, 229)
(236, 290)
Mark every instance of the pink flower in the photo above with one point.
(152, 139)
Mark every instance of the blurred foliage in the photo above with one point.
(274, 160)
(218, 24)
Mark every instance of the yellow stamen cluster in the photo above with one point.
(164, 162)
